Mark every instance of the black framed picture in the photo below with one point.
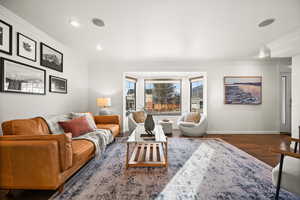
(58, 85)
(5, 38)
(51, 58)
(26, 47)
(18, 77)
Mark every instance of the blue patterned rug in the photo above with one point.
(198, 169)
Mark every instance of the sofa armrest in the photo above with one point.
(107, 119)
(284, 149)
(290, 139)
(64, 142)
(28, 164)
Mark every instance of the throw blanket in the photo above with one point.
(100, 137)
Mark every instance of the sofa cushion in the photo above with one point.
(77, 126)
(192, 117)
(34, 126)
(114, 128)
(82, 150)
(52, 121)
(139, 116)
(89, 118)
(107, 119)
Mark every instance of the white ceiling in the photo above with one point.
(162, 29)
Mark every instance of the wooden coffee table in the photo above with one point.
(147, 153)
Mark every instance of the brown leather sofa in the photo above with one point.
(33, 158)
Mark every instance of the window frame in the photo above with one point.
(128, 78)
(164, 114)
(191, 81)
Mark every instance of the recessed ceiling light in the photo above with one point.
(99, 47)
(266, 22)
(74, 23)
(98, 22)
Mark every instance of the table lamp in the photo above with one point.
(104, 103)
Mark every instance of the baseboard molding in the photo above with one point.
(243, 132)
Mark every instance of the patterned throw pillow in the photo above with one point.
(139, 116)
(52, 121)
(89, 118)
(77, 126)
(192, 117)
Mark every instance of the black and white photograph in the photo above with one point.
(51, 58)
(5, 38)
(21, 78)
(57, 85)
(26, 47)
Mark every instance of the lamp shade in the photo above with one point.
(103, 102)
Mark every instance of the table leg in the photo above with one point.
(127, 155)
(166, 150)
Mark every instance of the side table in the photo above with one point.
(167, 127)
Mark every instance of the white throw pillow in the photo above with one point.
(88, 116)
(52, 121)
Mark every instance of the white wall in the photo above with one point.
(289, 45)
(295, 96)
(14, 106)
(105, 79)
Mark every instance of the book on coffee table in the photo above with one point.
(148, 137)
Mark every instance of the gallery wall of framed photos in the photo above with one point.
(19, 77)
(26, 100)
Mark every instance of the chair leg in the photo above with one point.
(279, 177)
(61, 188)
(296, 146)
(9, 193)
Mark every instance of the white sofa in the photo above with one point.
(192, 129)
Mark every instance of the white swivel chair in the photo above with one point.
(192, 129)
(287, 173)
(132, 124)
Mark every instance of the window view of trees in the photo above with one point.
(196, 85)
(130, 94)
(163, 97)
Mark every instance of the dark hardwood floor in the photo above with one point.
(256, 145)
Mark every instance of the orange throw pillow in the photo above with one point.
(77, 126)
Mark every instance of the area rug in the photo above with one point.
(198, 169)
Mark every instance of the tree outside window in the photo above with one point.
(163, 97)
(130, 94)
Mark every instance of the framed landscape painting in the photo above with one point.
(246, 90)
(57, 85)
(26, 47)
(21, 78)
(51, 58)
(5, 38)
